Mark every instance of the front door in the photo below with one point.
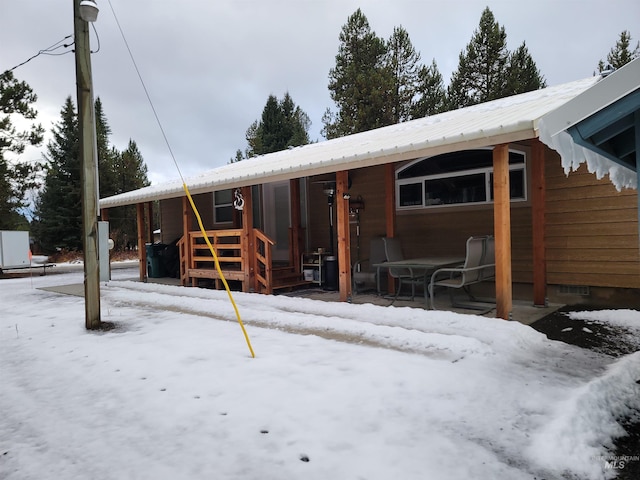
(277, 217)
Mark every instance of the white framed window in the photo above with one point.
(223, 206)
(458, 178)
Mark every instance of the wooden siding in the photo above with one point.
(171, 219)
(445, 232)
(592, 230)
(367, 183)
(171, 216)
(441, 231)
(319, 217)
(591, 236)
(204, 204)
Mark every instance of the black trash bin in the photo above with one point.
(155, 266)
(331, 273)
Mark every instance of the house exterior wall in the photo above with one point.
(444, 232)
(170, 219)
(318, 228)
(171, 216)
(204, 204)
(591, 229)
(367, 183)
(438, 232)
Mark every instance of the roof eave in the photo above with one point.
(518, 131)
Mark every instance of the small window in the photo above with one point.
(459, 189)
(223, 206)
(457, 178)
(411, 194)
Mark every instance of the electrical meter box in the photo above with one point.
(14, 249)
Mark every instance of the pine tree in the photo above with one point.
(621, 54)
(58, 210)
(522, 73)
(481, 74)
(361, 82)
(296, 121)
(254, 140)
(8, 214)
(432, 96)
(282, 125)
(271, 128)
(487, 70)
(129, 172)
(58, 221)
(238, 157)
(16, 178)
(107, 155)
(404, 63)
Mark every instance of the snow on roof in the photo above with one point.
(504, 120)
(553, 126)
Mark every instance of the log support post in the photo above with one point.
(248, 242)
(390, 211)
(296, 225)
(187, 225)
(142, 250)
(502, 231)
(150, 238)
(344, 238)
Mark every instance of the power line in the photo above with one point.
(153, 108)
(186, 189)
(97, 37)
(49, 51)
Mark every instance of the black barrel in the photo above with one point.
(331, 273)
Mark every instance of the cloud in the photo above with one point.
(210, 66)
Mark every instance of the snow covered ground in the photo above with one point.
(335, 391)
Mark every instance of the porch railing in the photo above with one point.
(237, 262)
(263, 266)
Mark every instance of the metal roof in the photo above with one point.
(505, 120)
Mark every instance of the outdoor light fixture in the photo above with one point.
(329, 189)
(89, 10)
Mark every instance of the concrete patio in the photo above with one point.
(523, 311)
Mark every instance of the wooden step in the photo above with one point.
(213, 273)
(284, 270)
(287, 276)
(291, 285)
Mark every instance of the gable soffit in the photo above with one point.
(604, 119)
(613, 131)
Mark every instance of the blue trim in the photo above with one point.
(613, 131)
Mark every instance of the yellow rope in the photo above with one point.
(193, 206)
(215, 257)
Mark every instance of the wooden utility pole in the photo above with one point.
(89, 170)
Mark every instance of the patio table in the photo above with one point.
(419, 266)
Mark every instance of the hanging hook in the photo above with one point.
(238, 202)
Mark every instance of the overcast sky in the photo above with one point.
(209, 65)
